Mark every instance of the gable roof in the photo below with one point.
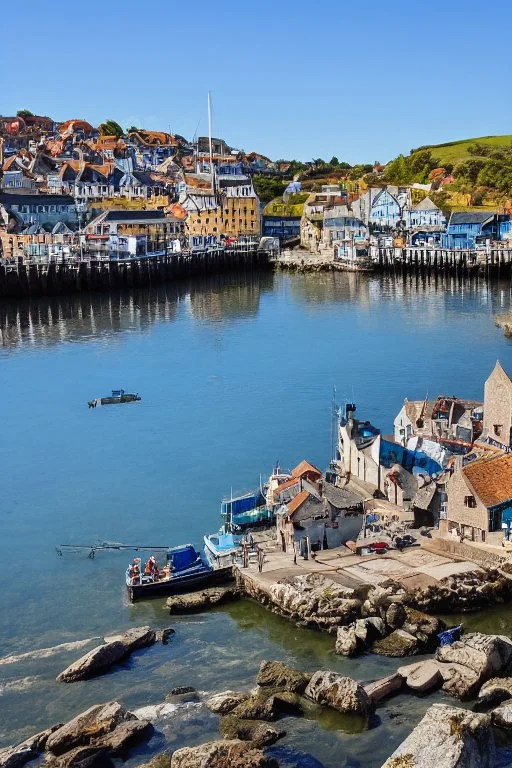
(499, 371)
(471, 217)
(304, 467)
(426, 205)
(491, 479)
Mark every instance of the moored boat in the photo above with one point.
(117, 396)
(254, 509)
(185, 569)
(221, 549)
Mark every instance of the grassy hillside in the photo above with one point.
(452, 152)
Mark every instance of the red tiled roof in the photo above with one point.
(491, 479)
(304, 467)
(287, 484)
(297, 502)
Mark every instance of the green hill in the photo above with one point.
(452, 152)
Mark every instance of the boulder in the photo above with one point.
(91, 724)
(398, 643)
(258, 706)
(231, 753)
(181, 689)
(260, 734)
(338, 692)
(278, 676)
(164, 635)
(447, 737)
(357, 636)
(16, 757)
(99, 659)
(422, 676)
(192, 602)
(85, 757)
(125, 736)
(423, 627)
(223, 703)
(469, 662)
(502, 715)
(494, 691)
(395, 616)
(384, 687)
(381, 597)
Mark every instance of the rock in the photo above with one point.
(15, 757)
(422, 676)
(154, 712)
(494, 692)
(381, 597)
(223, 703)
(395, 616)
(502, 715)
(469, 662)
(99, 659)
(164, 635)
(279, 676)
(260, 734)
(258, 706)
(398, 643)
(465, 591)
(124, 736)
(181, 689)
(338, 692)
(447, 737)
(314, 600)
(423, 627)
(201, 601)
(358, 635)
(91, 724)
(85, 757)
(383, 688)
(221, 754)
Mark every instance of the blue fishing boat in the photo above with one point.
(185, 569)
(117, 396)
(254, 509)
(221, 549)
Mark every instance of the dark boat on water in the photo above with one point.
(117, 396)
(185, 570)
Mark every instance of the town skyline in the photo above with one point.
(315, 84)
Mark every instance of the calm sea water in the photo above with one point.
(235, 372)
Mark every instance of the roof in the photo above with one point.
(426, 205)
(297, 502)
(471, 217)
(287, 484)
(304, 467)
(8, 199)
(341, 498)
(117, 215)
(491, 479)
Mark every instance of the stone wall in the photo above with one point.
(467, 552)
(498, 406)
(460, 514)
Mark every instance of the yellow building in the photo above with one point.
(233, 210)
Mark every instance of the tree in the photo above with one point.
(133, 129)
(268, 188)
(110, 128)
(334, 161)
(24, 113)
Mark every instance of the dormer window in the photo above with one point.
(470, 501)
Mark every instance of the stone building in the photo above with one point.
(497, 426)
(479, 498)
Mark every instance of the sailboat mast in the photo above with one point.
(210, 136)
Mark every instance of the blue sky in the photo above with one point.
(362, 81)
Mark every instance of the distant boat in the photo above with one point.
(117, 396)
(185, 570)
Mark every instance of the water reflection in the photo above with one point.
(87, 316)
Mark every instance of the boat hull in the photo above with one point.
(179, 584)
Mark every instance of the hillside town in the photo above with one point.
(72, 190)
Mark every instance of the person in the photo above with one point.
(134, 572)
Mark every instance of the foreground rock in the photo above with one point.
(494, 691)
(398, 643)
(447, 737)
(384, 687)
(200, 601)
(15, 757)
(221, 754)
(469, 662)
(277, 675)
(422, 676)
(338, 692)
(101, 658)
(225, 702)
(260, 734)
(357, 636)
(502, 715)
(315, 601)
(109, 727)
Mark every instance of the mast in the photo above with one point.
(210, 136)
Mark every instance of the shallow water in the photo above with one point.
(234, 372)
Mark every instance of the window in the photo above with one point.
(498, 428)
(470, 502)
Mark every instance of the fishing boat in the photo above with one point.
(185, 569)
(254, 509)
(221, 549)
(117, 396)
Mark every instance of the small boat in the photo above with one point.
(185, 570)
(117, 396)
(221, 549)
(255, 509)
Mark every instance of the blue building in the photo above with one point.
(283, 227)
(505, 227)
(470, 229)
(387, 209)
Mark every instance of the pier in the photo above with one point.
(31, 276)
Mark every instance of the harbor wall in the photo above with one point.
(29, 279)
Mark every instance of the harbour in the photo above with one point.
(134, 336)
